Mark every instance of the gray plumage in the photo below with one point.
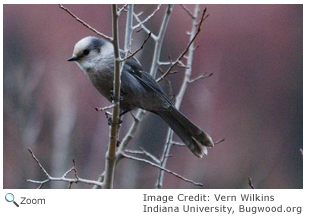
(138, 90)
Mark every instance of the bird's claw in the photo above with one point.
(112, 97)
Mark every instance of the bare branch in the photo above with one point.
(144, 152)
(38, 162)
(205, 75)
(122, 9)
(161, 168)
(217, 142)
(204, 16)
(110, 162)
(140, 23)
(135, 52)
(106, 107)
(187, 10)
(178, 144)
(63, 178)
(250, 183)
(85, 24)
(143, 27)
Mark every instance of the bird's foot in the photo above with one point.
(112, 96)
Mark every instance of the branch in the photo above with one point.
(135, 52)
(146, 153)
(217, 142)
(119, 10)
(111, 152)
(141, 23)
(187, 10)
(161, 168)
(250, 183)
(63, 178)
(204, 16)
(205, 75)
(86, 24)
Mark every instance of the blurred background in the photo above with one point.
(254, 99)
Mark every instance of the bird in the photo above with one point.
(95, 56)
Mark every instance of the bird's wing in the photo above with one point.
(133, 67)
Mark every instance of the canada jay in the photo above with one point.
(138, 90)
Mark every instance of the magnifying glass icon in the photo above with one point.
(9, 197)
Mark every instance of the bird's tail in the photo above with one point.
(195, 138)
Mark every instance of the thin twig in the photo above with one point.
(38, 162)
(135, 52)
(187, 10)
(178, 144)
(161, 168)
(63, 178)
(106, 107)
(121, 9)
(140, 23)
(144, 152)
(205, 75)
(217, 142)
(250, 183)
(85, 24)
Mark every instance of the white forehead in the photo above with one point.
(83, 44)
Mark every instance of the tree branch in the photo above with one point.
(135, 52)
(111, 153)
(250, 183)
(146, 153)
(141, 23)
(161, 168)
(63, 178)
(86, 24)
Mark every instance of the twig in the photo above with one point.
(85, 24)
(187, 10)
(217, 142)
(178, 144)
(121, 9)
(204, 16)
(63, 178)
(106, 107)
(38, 162)
(250, 183)
(205, 75)
(161, 168)
(135, 52)
(140, 23)
(144, 152)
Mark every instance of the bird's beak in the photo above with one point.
(73, 59)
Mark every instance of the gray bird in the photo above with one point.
(138, 90)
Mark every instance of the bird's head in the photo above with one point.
(89, 51)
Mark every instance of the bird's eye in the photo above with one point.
(86, 52)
